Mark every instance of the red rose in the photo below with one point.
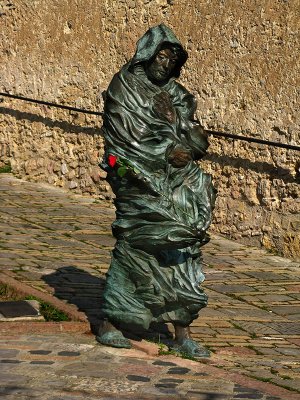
(112, 160)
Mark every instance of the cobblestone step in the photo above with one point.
(59, 249)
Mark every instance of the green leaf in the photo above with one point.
(122, 171)
(136, 171)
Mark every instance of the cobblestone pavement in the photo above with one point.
(59, 243)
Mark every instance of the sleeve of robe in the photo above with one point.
(160, 207)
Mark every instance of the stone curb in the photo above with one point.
(78, 324)
(151, 349)
(25, 289)
(37, 327)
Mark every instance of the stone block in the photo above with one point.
(254, 182)
(73, 185)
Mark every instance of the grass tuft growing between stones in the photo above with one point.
(5, 169)
(259, 378)
(269, 380)
(163, 350)
(285, 377)
(49, 312)
(251, 347)
(7, 293)
(236, 326)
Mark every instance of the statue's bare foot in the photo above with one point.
(186, 345)
(111, 336)
(114, 339)
(191, 348)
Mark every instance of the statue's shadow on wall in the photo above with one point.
(50, 123)
(261, 167)
(85, 291)
(222, 160)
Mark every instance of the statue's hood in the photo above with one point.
(152, 41)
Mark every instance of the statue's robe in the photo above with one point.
(162, 212)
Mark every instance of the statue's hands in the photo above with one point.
(179, 157)
(163, 106)
(197, 140)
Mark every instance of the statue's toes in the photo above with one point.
(192, 349)
(114, 339)
(121, 343)
(201, 352)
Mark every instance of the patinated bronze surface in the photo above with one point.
(163, 201)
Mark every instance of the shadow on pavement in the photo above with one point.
(80, 288)
(84, 290)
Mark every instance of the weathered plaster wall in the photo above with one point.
(243, 68)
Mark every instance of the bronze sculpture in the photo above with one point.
(163, 201)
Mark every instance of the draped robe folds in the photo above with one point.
(162, 212)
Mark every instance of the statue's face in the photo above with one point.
(162, 66)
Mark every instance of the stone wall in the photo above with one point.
(243, 67)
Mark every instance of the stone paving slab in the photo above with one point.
(50, 366)
(58, 245)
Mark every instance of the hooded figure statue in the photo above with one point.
(163, 200)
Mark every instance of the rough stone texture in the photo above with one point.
(58, 247)
(243, 68)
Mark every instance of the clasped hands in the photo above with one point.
(163, 107)
(179, 157)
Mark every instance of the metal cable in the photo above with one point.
(210, 132)
(47, 103)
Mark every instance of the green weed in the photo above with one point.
(259, 353)
(286, 377)
(5, 169)
(236, 326)
(258, 378)
(49, 312)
